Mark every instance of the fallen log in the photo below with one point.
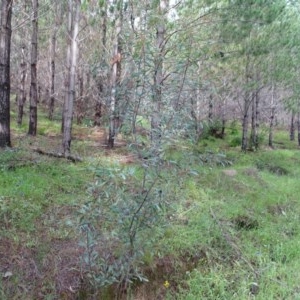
(72, 158)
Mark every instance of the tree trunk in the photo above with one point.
(5, 40)
(22, 90)
(158, 73)
(255, 121)
(292, 127)
(115, 79)
(73, 24)
(102, 78)
(33, 97)
(253, 128)
(80, 100)
(210, 110)
(257, 113)
(272, 117)
(247, 103)
(52, 71)
(245, 130)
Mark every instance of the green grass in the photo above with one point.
(30, 186)
(266, 254)
(223, 235)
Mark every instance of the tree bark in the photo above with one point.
(223, 119)
(73, 27)
(247, 103)
(58, 15)
(5, 41)
(52, 71)
(33, 85)
(158, 72)
(102, 78)
(210, 110)
(255, 121)
(115, 79)
(292, 127)
(80, 100)
(22, 90)
(272, 117)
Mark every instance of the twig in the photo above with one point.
(74, 159)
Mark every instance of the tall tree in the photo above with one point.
(115, 74)
(102, 76)
(72, 49)
(22, 89)
(53, 42)
(33, 85)
(158, 70)
(5, 39)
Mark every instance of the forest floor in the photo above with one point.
(228, 229)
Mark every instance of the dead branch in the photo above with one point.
(72, 158)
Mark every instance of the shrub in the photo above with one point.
(235, 142)
(120, 222)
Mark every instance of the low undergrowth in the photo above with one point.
(191, 222)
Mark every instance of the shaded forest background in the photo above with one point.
(185, 68)
(121, 129)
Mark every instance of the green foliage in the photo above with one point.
(234, 215)
(212, 129)
(28, 186)
(220, 228)
(121, 222)
(235, 141)
(276, 164)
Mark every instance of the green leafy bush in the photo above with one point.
(120, 222)
(235, 142)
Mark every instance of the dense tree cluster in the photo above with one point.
(187, 68)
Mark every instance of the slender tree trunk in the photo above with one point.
(22, 90)
(194, 115)
(223, 119)
(245, 127)
(73, 26)
(80, 100)
(102, 78)
(257, 113)
(52, 71)
(33, 98)
(210, 110)
(253, 129)
(255, 120)
(5, 40)
(292, 127)
(272, 117)
(158, 73)
(247, 103)
(115, 79)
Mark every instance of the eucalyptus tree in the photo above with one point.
(5, 42)
(58, 19)
(115, 80)
(20, 58)
(71, 61)
(102, 75)
(21, 96)
(160, 43)
(33, 97)
(288, 62)
(244, 24)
